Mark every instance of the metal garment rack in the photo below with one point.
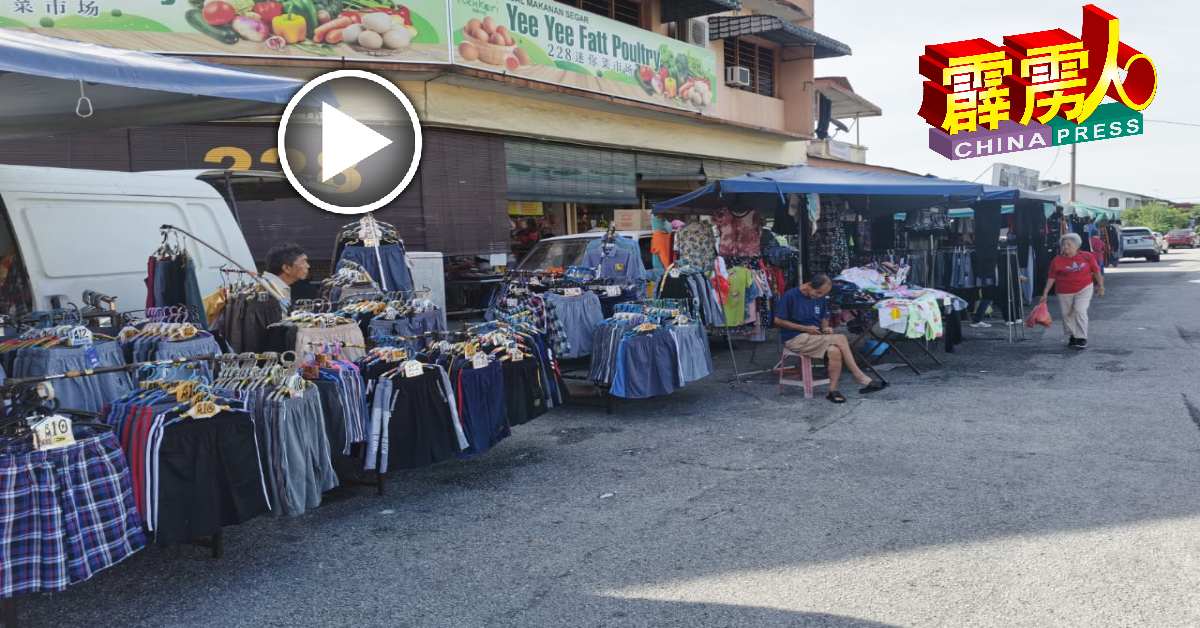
(9, 616)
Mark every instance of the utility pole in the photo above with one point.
(1073, 173)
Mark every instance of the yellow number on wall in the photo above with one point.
(239, 158)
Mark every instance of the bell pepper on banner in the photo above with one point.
(291, 27)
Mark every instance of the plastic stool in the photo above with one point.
(806, 374)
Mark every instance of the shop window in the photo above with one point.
(627, 11)
(760, 60)
(1114, 202)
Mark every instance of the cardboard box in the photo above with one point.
(631, 219)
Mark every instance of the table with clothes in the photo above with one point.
(877, 300)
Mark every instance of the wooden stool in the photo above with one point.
(806, 373)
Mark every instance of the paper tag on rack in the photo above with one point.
(479, 360)
(79, 336)
(515, 355)
(52, 432)
(674, 273)
(612, 291)
(412, 368)
(946, 301)
(510, 302)
(573, 292)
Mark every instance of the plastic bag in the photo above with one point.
(1039, 316)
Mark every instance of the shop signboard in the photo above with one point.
(1037, 90)
(554, 43)
(525, 208)
(412, 32)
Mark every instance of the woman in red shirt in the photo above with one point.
(1073, 272)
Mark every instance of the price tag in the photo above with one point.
(674, 273)
(52, 432)
(946, 301)
(412, 368)
(510, 302)
(515, 355)
(479, 360)
(79, 336)
(612, 291)
(573, 292)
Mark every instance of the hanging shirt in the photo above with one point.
(795, 307)
(740, 235)
(696, 244)
(1072, 274)
(735, 304)
(618, 264)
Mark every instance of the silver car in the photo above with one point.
(1139, 242)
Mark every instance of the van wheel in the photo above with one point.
(1153, 258)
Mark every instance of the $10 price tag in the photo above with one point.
(52, 432)
(479, 360)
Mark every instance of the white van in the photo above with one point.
(75, 230)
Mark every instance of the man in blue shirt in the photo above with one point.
(802, 316)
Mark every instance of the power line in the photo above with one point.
(1175, 122)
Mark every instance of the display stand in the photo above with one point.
(9, 617)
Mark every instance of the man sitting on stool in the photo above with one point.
(802, 316)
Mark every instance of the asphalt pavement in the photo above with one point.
(1020, 484)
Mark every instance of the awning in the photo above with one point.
(41, 79)
(680, 10)
(846, 102)
(777, 30)
(873, 191)
(1093, 211)
(998, 193)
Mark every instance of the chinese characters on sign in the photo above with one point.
(1039, 89)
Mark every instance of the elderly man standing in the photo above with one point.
(1073, 272)
(802, 316)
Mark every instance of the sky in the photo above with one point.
(888, 36)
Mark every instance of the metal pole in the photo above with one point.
(218, 252)
(1072, 173)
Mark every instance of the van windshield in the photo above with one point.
(555, 254)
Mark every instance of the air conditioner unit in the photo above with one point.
(737, 76)
(697, 31)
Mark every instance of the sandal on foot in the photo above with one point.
(836, 397)
(874, 386)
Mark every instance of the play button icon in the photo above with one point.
(345, 142)
(360, 152)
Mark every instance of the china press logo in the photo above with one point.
(1037, 90)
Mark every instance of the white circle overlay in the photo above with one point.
(367, 76)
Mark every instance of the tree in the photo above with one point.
(1157, 217)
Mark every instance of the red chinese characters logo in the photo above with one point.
(975, 84)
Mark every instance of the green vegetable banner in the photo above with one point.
(554, 43)
(411, 31)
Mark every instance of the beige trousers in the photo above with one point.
(1074, 309)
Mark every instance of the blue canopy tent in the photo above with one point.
(52, 85)
(868, 191)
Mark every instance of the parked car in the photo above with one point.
(568, 250)
(1139, 242)
(1161, 242)
(1183, 237)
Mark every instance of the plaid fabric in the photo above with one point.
(65, 514)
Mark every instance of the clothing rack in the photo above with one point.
(15, 383)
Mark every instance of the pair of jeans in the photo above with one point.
(579, 316)
(89, 393)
